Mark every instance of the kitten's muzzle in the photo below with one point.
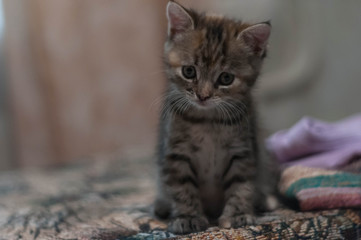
(202, 98)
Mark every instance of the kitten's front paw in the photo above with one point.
(184, 225)
(236, 221)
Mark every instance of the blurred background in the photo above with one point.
(81, 78)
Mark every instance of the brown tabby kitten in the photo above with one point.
(208, 150)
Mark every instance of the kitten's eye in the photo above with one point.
(225, 79)
(189, 72)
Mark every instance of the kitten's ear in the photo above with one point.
(256, 37)
(179, 19)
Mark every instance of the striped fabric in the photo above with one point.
(321, 189)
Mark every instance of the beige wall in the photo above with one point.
(83, 75)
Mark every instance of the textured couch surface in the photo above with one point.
(111, 199)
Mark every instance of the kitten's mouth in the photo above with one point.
(204, 104)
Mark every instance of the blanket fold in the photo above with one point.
(315, 143)
(317, 159)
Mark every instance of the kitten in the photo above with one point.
(208, 151)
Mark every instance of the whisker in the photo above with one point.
(241, 111)
(226, 108)
(224, 117)
(161, 98)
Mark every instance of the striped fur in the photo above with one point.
(208, 150)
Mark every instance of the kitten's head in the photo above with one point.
(211, 60)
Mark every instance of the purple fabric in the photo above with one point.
(315, 143)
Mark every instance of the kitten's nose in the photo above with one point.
(203, 98)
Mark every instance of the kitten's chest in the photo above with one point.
(209, 146)
(212, 149)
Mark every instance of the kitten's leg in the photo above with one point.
(238, 185)
(238, 210)
(266, 183)
(179, 179)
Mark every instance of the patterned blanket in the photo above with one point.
(110, 199)
(321, 189)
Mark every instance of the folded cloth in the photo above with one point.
(321, 189)
(315, 143)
